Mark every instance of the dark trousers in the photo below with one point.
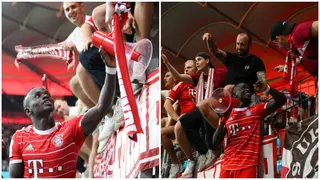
(192, 123)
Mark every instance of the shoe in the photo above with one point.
(102, 145)
(202, 162)
(108, 129)
(136, 87)
(174, 170)
(210, 158)
(188, 172)
(117, 114)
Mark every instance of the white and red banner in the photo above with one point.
(132, 157)
(268, 157)
(212, 171)
(300, 152)
(53, 51)
(103, 166)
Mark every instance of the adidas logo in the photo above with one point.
(29, 147)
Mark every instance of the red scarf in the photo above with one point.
(45, 51)
(201, 84)
(291, 66)
(129, 105)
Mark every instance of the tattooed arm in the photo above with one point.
(212, 47)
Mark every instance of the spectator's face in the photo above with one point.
(61, 107)
(74, 11)
(201, 63)
(190, 67)
(168, 80)
(281, 41)
(242, 45)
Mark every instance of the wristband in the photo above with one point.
(111, 70)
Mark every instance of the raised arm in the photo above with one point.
(179, 77)
(261, 75)
(99, 15)
(212, 47)
(93, 117)
(109, 11)
(278, 99)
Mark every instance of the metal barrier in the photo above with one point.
(297, 108)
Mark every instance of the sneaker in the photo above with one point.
(136, 86)
(108, 129)
(202, 162)
(174, 170)
(188, 172)
(210, 158)
(117, 114)
(102, 145)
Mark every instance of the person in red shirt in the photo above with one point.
(242, 127)
(188, 127)
(301, 39)
(47, 149)
(184, 94)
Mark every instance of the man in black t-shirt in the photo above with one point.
(243, 67)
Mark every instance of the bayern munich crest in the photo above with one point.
(248, 113)
(57, 140)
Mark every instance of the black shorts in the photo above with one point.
(192, 124)
(94, 65)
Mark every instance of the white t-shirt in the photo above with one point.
(75, 37)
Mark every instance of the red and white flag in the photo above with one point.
(53, 51)
(268, 157)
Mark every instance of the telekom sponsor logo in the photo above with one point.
(234, 129)
(33, 167)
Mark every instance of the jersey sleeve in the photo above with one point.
(91, 23)
(15, 154)
(77, 130)
(301, 32)
(259, 65)
(174, 93)
(228, 60)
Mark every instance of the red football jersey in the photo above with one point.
(306, 46)
(185, 94)
(243, 137)
(51, 153)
